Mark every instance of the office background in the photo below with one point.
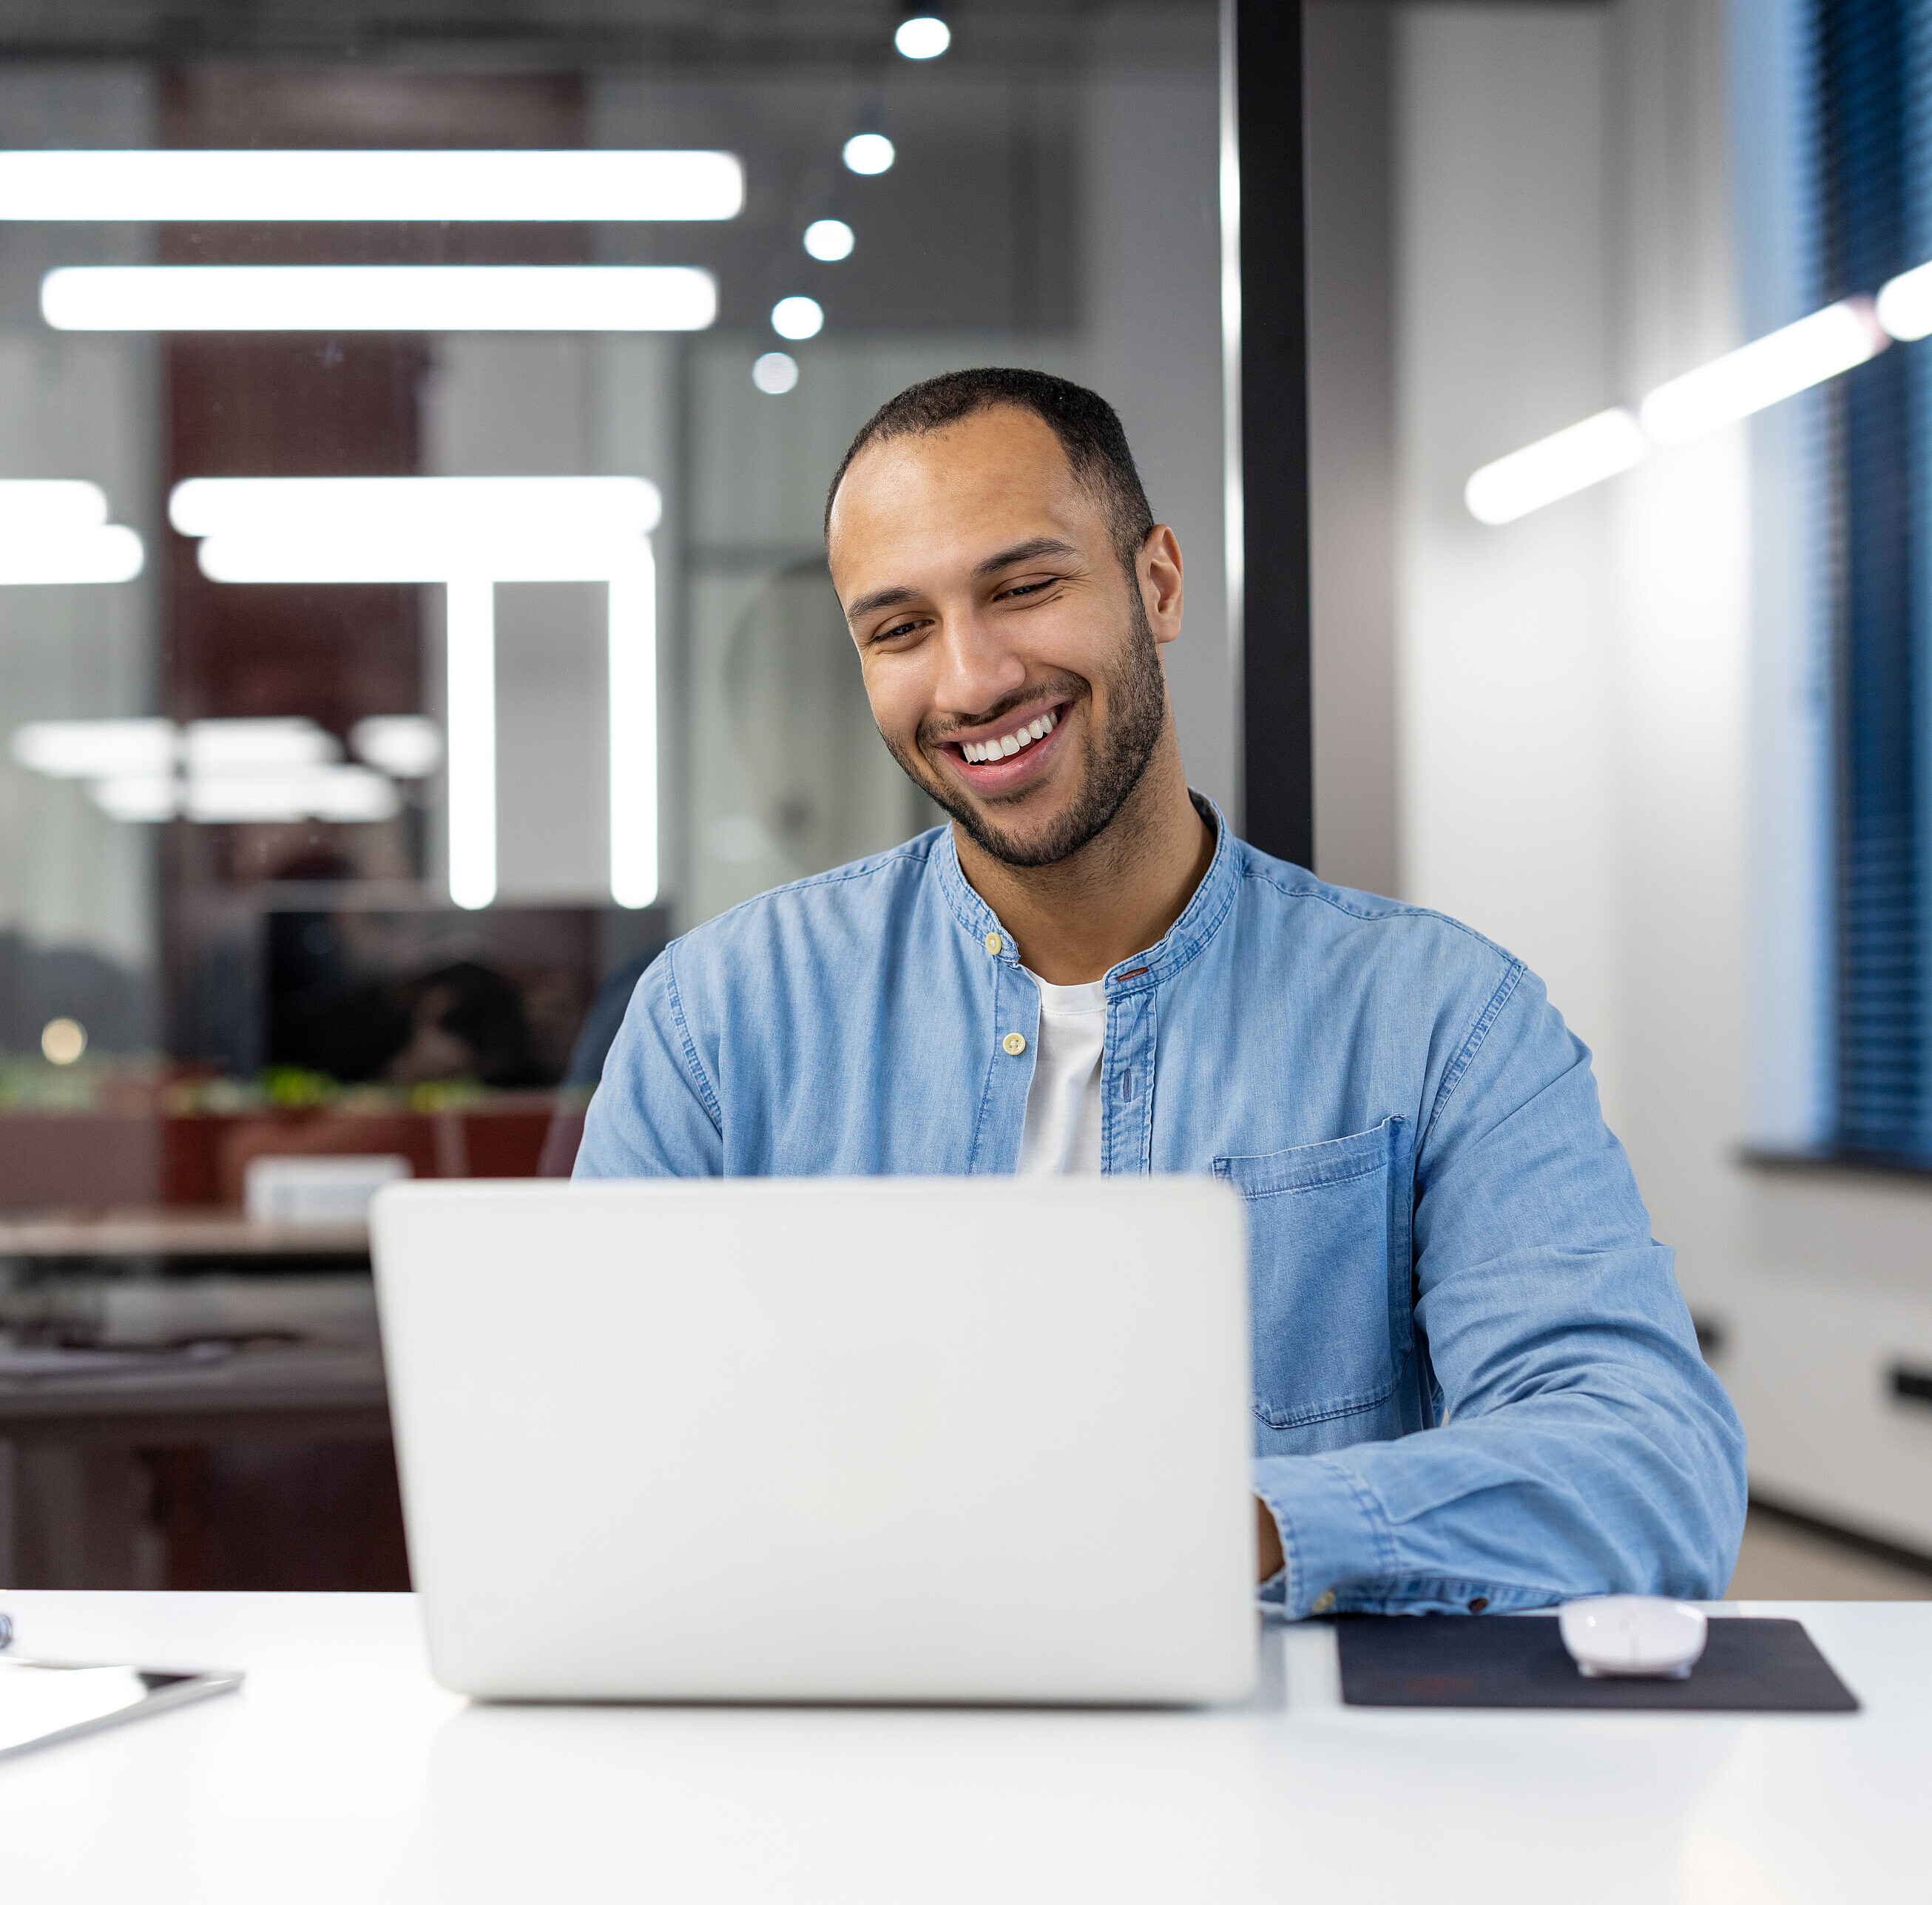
(1608, 734)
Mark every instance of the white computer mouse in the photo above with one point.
(1632, 1634)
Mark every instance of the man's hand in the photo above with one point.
(1268, 1541)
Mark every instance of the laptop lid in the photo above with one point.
(880, 1439)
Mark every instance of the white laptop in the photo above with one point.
(950, 1439)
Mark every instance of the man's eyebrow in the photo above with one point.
(878, 599)
(1024, 552)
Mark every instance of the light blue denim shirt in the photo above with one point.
(1475, 1381)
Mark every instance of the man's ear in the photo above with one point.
(1157, 569)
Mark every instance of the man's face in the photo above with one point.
(1011, 665)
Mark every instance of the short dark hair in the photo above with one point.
(1085, 423)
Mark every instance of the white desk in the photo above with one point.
(342, 1773)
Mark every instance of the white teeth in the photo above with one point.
(1008, 745)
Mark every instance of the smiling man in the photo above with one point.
(1086, 971)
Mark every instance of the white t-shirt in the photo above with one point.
(1061, 1134)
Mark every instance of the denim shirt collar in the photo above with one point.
(1139, 972)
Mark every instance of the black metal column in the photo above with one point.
(1277, 710)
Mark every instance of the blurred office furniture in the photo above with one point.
(355, 1776)
(246, 1452)
(190, 1399)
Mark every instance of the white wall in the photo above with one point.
(1504, 666)
(1576, 690)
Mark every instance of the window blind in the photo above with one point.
(1869, 69)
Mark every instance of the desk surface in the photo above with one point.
(342, 1772)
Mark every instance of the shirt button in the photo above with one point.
(1014, 1043)
(1323, 1602)
(995, 944)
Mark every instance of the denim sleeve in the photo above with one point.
(1584, 1447)
(654, 1114)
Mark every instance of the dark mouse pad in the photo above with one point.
(1462, 1660)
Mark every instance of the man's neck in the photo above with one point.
(1074, 921)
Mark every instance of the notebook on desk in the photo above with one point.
(964, 1439)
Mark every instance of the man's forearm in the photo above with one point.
(1540, 1502)
(1267, 1542)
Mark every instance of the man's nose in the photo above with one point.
(976, 669)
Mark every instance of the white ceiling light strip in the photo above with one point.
(1558, 466)
(57, 531)
(634, 729)
(214, 771)
(469, 533)
(1738, 385)
(469, 651)
(1742, 382)
(313, 188)
(342, 298)
(1904, 307)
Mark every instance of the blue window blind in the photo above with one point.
(1870, 71)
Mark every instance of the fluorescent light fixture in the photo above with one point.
(633, 732)
(469, 533)
(797, 318)
(255, 747)
(50, 506)
(469, 643)
(336, 298)
(1905, 304)
(142, 797)
(1764, 373)
(110, 553)
(57, 531)
(318, 186)
(922, 37)
(407, 746)
(91, 750)
(1555, 466)
(869, 154)
(291, 794)
(829, 240)
(413, 529)
(776, 372)
(215, 771)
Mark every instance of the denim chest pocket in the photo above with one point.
(1329, 1268)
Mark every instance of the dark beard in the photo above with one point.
(1137, 694)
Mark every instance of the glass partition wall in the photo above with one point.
(413, 433)
(320, 795)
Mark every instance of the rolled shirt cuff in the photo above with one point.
(1333, 1534)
